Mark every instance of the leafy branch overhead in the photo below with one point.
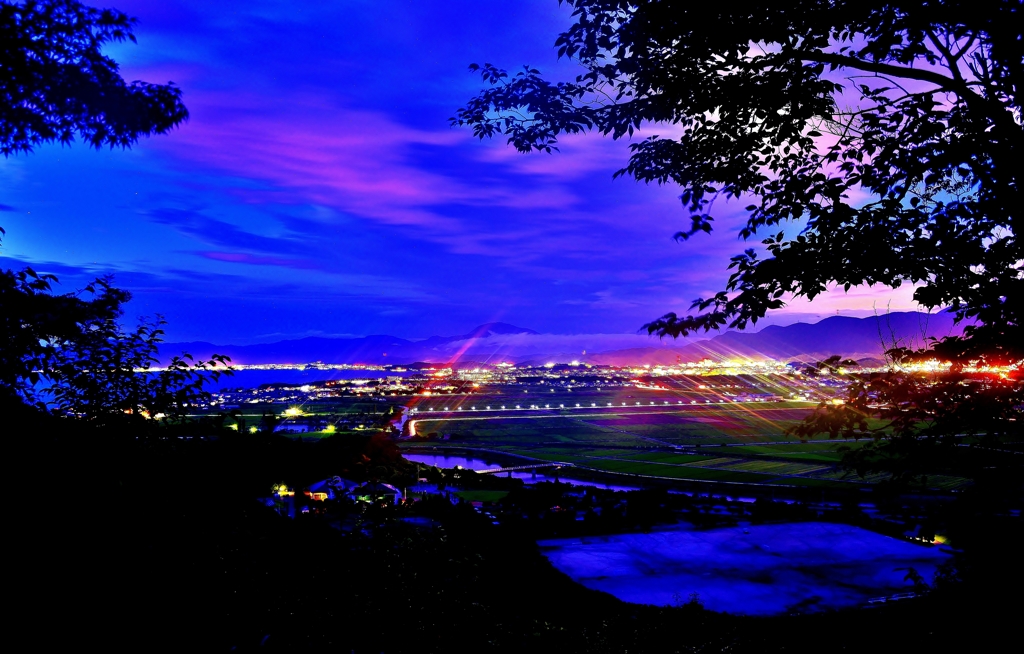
(67, 352)
(875, 143)
(106, 375)
(55, 82)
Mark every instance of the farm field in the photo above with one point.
(729, 423)
(621, 427)
(672, 471)
(730, 442)
(525, 432)
(812, 451)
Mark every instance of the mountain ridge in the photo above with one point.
(492, 342)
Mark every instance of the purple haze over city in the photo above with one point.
(318, 189)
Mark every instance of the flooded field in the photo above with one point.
(755, 570)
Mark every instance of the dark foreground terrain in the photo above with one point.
(160, 545)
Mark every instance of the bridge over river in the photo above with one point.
(532, 466)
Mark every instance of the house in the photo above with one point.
(377, 491)
(330, 488)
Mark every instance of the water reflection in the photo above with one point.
(754, 570)
(450, 461)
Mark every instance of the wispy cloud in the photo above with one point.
(355, 160)
(241, 257)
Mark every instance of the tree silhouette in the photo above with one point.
(803, 108)
(875, 143)
(55, 84)
(98, 376)
(34, 321)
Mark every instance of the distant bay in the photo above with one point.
(251, 378)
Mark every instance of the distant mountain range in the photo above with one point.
(857, 338)
(375, 349)
(493, 342)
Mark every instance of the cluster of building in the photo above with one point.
(311, 499)
(732, 381)
(286, 501)
(755, 381)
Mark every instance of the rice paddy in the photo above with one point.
(721, 442)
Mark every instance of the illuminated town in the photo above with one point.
(731, 381)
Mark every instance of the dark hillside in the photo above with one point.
(161, 546)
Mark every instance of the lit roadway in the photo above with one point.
(533, 412)
(544, 411)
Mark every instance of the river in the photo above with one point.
(450, 461)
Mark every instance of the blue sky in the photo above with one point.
(318, 188)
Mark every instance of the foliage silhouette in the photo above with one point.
(875, 143)
(98, 376)
(33, 321)
(55, 83)
(70, 355)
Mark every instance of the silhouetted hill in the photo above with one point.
(377, 349)
(858, 338)
(850, 337)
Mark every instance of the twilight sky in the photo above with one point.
(318, 189)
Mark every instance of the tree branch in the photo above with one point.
(951, 61)
(885, 69)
